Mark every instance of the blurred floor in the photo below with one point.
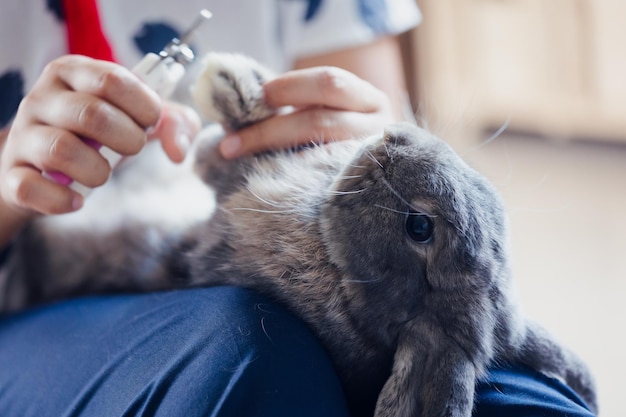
(567, 205)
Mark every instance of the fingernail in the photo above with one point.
(77, 203)
(230, 146)
(183, 142)
(150, 130)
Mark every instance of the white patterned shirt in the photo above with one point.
(275, 32)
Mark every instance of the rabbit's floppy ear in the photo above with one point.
(431, 375)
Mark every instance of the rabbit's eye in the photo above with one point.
(419, 227)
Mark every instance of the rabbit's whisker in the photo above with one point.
(397, 194)
(371, 156)
(334, 192)
(392, 210)
(263, 200)
(261, 210)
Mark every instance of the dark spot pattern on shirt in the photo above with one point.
(312, 9)
(56, 7)
(153, 36)
(375, 15)
(12, 93)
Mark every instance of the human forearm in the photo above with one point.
(11, 222)
(379, 63)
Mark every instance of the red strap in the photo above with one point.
(84, 33)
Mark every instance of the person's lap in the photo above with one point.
(204, 352)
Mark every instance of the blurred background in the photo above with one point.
(533, 94)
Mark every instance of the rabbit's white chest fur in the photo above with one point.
(149, 189)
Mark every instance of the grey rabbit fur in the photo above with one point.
(391, 249)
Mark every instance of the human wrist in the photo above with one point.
(12, 221)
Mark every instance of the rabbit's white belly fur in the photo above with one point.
(148, 188)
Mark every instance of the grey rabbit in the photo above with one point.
(392, 249)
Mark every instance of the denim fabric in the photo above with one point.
(217, 352)
(517, 391)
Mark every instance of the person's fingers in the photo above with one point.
(76, 102)
(324, 86)
(90, 117)
(315, 125)
(330, 103)
(52, 149)
(26, 189)
(176, 129)
(111, 82)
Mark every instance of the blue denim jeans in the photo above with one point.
(219, 351)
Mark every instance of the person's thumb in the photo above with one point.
(176, 129)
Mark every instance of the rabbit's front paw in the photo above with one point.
(229, 90)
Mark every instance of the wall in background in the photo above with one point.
(548, 67)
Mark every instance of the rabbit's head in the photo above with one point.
(407, 218)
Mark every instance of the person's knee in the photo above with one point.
(219, 351)
(249, 356)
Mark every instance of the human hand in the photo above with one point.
(329, 104)
(176, 128)
(78, 97)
